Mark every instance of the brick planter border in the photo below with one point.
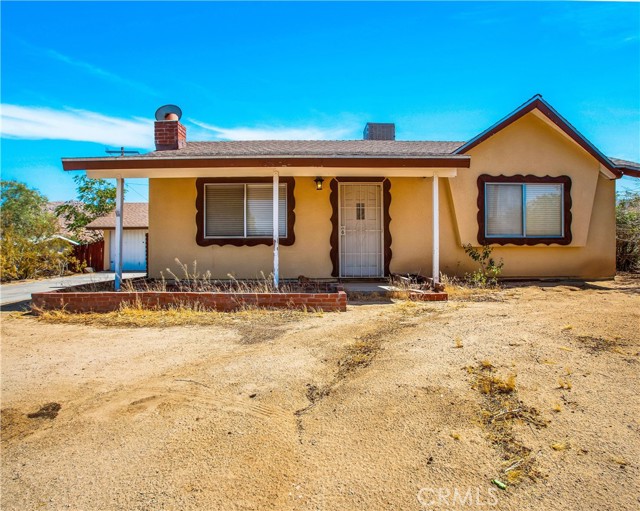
(428, 296)
(106, 301)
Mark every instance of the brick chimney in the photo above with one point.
(170, 134)
(379, 131)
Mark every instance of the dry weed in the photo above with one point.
(252, 322)
(460, 291)
(560, 446)
(619, 460)
(564, 383)
(501, 408)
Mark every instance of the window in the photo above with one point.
(243, 210)
(240, 211)
(524, 209)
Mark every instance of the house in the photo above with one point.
(135, 228)
(530, 185)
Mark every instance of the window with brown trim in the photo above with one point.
(524, 210)
(239, 211)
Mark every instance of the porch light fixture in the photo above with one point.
(318, 181)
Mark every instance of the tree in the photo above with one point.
(27, 246)
(95, 198)
(23, 211)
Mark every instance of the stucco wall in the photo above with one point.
(528, 146)
(172, 233)
(532, 146)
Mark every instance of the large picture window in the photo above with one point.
(524, 209)
(240, 211)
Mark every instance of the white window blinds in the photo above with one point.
(544, 210)
(524, 210)
(243, 210)
(224, 210)
(504, 210)
(260, 210)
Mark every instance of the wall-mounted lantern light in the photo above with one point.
(318, 181)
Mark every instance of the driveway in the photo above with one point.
(16, 296)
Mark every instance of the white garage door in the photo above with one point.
(133, 250)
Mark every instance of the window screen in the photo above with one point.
(243, 210)
(524, 210)
(504, 209)
(544, 210)
(260, 210)
(224, 211)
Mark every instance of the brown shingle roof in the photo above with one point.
(136, 216)
(315, 148)
(625, 163)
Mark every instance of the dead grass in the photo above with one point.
(619, 460)
(564, 383)
(181, 315)
(460, 291)
(596, 345)
(500, 411)
(560, 446)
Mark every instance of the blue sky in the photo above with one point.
(78, 77)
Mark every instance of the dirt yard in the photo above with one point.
(393, 406)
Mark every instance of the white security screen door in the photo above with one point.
(361, 230)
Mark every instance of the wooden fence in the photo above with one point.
(91, 254)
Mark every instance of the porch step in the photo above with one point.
(382, 292)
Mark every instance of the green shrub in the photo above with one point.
(489, 271)
(628, 232)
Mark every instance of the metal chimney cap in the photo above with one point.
(166, 110)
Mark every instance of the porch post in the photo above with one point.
(276, 230)
(436, 231)
(119, 225)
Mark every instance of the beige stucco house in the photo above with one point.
(531, 185)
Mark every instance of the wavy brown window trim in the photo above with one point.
(335, 228)
(243, 242)
(485, 178)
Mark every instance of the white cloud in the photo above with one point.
(37, 123)
(93, 69)
(275, 133)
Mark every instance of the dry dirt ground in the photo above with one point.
(378, 408)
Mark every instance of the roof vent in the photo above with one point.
(379, 131)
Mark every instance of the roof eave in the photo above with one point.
(629, 171)
(537, 102)
(431, 161)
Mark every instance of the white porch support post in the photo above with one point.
(119, 225)
(436, 231)
(276, 230)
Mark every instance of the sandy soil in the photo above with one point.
(369, 409)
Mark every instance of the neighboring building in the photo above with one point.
(134, 239)
(531, 185)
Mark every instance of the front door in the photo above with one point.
(361, 230)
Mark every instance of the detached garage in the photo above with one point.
(134, 241)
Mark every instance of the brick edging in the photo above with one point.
(107, 301)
